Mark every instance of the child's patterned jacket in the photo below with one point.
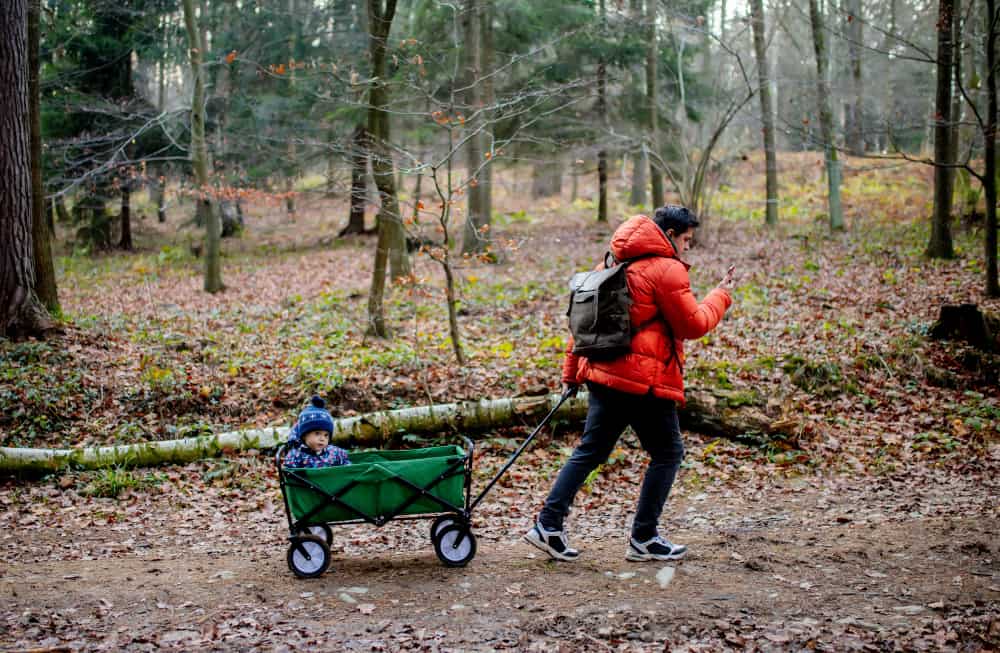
(302, 456)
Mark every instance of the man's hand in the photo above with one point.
(729, 281)
(570, 389)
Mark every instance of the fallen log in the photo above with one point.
(712, 412)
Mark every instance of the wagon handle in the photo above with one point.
(510, 461)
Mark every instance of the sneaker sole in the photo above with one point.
(633, 556)
(549, 550)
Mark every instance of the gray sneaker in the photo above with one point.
(552, 542)
(655, 549)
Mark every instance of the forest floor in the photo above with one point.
(874, 528)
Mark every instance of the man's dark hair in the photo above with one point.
(674, 217)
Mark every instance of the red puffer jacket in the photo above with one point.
(660, 288)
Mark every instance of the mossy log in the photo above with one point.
(713, 412)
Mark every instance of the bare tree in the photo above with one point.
(940, 245)
(602, 111)
(199, 155)
(21, 312)
(473, 239)
(766, 110)
(826, 116)
(854, 31)
(390, 227)
(652, 54)
(990, 131)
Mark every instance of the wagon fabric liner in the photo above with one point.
(375, 485)
(380, 486)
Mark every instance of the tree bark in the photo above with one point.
(199, 156)
(61, 211)
(712, 412)
(766, 110)
(488, 95)
(359, 182)
(41, 220)
(602, 114)
(160, 182)
(637, 197)
(940, 244)
(125, 241)
(956, 98)
(826, 117)
(21, 312)
(390, 223)
(652, 55)
(990, 153)
(855, 34)
(391, 245)
(473, 239)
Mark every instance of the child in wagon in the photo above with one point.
(309, 440)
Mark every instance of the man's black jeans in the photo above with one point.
(655, 422)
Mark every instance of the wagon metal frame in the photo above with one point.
(451, 532)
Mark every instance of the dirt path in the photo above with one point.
(809, 562)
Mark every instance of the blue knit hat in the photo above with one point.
(315, 418)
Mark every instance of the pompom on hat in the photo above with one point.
(315, 417)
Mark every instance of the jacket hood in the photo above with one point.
(639, 236)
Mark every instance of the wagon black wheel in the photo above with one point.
(455, 545)
(308, 556)
(440, 523)
(319, 530)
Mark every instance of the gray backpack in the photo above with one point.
(598, 313)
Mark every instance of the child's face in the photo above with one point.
(316, 440)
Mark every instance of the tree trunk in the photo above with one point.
(766, 110)
(391, 239)
(546, 177)
(855, 34)
(331, 165)
(390, 223)
(990, 154)
(826, 117)
(199, 156)
(61, 211)
(652, 54)
(160, 182)
(473, 240)
(707, 411)
(956, 98)
(125, 242)
(940, 245)
(722, 21)
(21, 312)
(488, 95)
(359, 182)
(41, 220)
(637, 197)
(602, 117)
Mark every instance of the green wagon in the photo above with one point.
(379, 486)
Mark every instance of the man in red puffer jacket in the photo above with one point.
(641, 388)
